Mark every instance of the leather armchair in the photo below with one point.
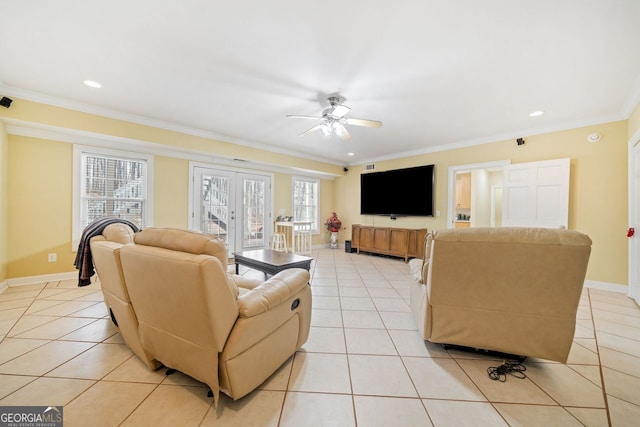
(511, 290)
(194, 317)
(105, 249)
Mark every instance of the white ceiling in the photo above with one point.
(438, 74)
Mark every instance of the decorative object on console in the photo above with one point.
(333, 225)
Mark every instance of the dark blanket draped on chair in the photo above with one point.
(84, 260)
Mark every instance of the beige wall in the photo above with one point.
(327, 203)
(4, 176)
(282, 194)
(170, 192)
(598, 188)
(39, 217)
(35, 215)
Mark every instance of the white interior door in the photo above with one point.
(234, 206)
(536, 194)
(634, 222)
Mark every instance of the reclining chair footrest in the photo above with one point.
(498, 354)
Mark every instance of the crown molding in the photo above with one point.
(75, 136)
(498, 137)
(29, 95)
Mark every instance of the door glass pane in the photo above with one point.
(215, 205)
(305, 201)
(254, 213)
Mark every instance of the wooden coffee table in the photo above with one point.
(270, 262)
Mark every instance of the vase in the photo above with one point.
(334, 240)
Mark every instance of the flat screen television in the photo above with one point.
(398, 192)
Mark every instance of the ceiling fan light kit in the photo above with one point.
(334, 121)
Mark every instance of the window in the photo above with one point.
(305, 200)
(110, 183)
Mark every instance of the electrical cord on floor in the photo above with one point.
(513, 368)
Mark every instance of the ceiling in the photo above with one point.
(437, 74)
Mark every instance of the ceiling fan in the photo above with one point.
(334, 120)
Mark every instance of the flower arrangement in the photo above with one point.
(333, 224)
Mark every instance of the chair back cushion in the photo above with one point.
(506, 288)
(187, 241)
(185, 303)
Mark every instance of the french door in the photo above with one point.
(233, 205)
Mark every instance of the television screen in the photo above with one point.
(399, 192)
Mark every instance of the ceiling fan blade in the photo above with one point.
(340, 110)
(295, 116)
(311, 130)
(364, 122)
(344, 134)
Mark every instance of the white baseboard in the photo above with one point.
(3, 286)
(613, 287)
(32, 280)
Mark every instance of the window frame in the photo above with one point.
(315, 227)
(78, 175)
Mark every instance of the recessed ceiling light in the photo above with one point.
(536, 113)
(92, 84)
(351, 154)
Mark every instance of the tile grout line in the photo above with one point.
(23, 313)
(595, 336)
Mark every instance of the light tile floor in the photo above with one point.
(364, 364)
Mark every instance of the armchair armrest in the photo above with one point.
(272, 292)
(244, 282)
(98, 238)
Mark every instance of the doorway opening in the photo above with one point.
(475, 195)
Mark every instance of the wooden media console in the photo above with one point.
(401, 242)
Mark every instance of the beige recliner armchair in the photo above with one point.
(194, 317)
(105, 249)
(511, 290)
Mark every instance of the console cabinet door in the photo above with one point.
(380, 239)
(398, 242)
(365, 238)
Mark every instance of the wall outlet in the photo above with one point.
(52, 257)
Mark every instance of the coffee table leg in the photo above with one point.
(237, 268)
